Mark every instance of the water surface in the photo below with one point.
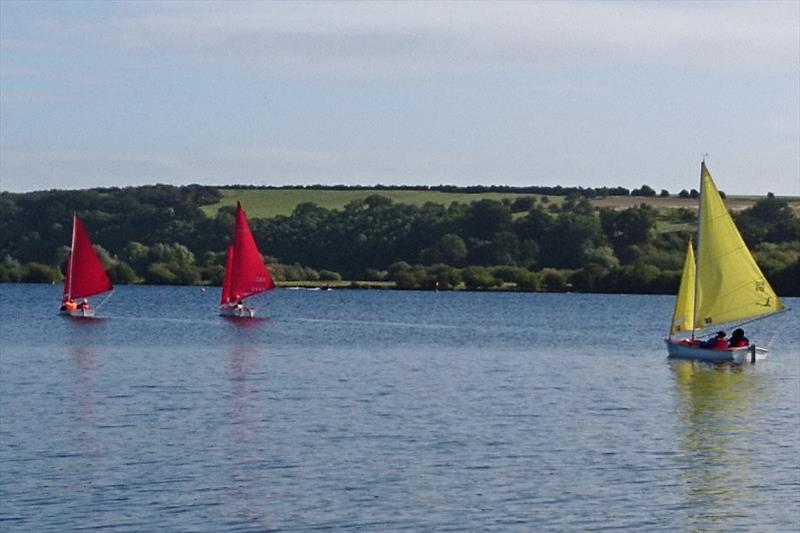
(386, 411)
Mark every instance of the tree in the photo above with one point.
(487, 217)
(571, 235)
(522, 204)
(630, 226)
(644, 190)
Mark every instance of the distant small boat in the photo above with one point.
(245, 272)
(85, 275)
(722, 286)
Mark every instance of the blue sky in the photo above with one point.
(271, 93)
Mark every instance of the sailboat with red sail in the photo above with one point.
(245, 272)
(85, 275)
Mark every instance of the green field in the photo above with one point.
(267, 203)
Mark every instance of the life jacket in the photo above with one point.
(70, 305)
(721, 343)
(739, 343)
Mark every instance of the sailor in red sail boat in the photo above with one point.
(84, 274)
(245, 272)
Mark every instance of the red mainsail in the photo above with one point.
(245, 272)
(85, 274)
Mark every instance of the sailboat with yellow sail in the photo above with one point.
(722, 286)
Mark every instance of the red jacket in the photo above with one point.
(721, 343)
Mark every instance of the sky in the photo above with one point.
(97, 94)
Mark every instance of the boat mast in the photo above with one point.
(72, 255)
(697, 246)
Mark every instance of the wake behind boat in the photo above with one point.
(722, 286)
(245, 272)
(85, 275)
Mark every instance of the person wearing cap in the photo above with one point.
(718, 342)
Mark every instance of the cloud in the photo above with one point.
(419, 37)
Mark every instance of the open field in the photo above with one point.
(266, 203)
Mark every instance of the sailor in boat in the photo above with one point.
(717, 342)
(738, 340)
(84, 304)
(69, 305)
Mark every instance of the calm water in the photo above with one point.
(384, 411)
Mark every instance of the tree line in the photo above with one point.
(158, 234)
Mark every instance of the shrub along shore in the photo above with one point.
(607, 240)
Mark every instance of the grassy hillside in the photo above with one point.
(266, 203)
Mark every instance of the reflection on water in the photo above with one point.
(82, 419)
(248, 430)
(718, 404)
(84, 360)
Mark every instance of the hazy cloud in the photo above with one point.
(348, 38)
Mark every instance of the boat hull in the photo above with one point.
(237, 312)
(78, 313)
(746, 354)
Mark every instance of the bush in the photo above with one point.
(39, 273)
(478, 277)
(375, 275)
(121, 272)
(553, 280)
(396, 268)
(405, 280)
(10, 270)
(529, 281)
(295, 272)
(446, 276)
(160, 274)
(329, 275)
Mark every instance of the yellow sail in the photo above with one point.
(684, 303)
(730, 286)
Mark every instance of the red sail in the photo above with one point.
(226, 286)
(85, 274)
(248, 276)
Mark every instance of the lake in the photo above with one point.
(387, 411)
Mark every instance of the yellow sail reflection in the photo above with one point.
(684, 304)
(730, 286)
(715, 424)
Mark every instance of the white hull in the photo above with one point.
(747, 354)
(237, 312)
(78, 313)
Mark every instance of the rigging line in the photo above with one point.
(756, 319)
(101, 304)
(780, 329)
